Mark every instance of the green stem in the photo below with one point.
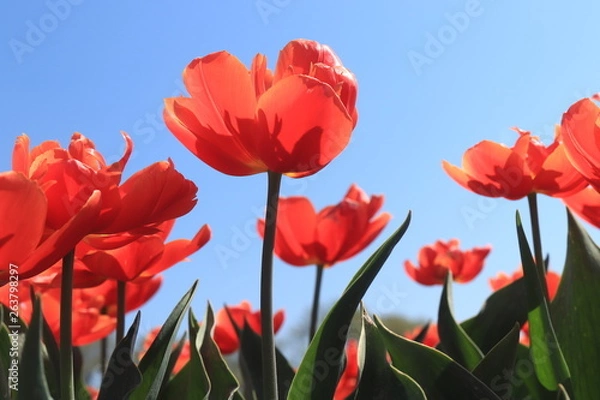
(103, 354)
(537, 240)
(314, 316)
(120, 310)
(67, 386)
(266, 289)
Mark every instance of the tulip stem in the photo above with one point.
(120, 310)
(314, 316)
(67, 386)
(537, 240)
(266, 289)
(103, 354)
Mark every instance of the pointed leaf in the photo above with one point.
(440, 377)
(496, 368)
(501, 311)
(550, 366)
(122, 375)
(576, 311)
(319, 370)
(32, 379)
(453, 339)
(251, 361)
(378, 380)
(222, 381)
(155, 362)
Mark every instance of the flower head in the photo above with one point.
(435, 261)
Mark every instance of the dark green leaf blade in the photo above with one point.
(550, 366)
(251, 361)
(496, 368)
(318, 372)
(222, 381)
(576, 311)
(438, 375)
(453, 339)
(122, 375)
(378, 380)
(155, 362)
(501, 311)
(32, 383)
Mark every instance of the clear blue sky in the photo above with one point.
(105, 67)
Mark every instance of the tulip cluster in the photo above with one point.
(82, 247)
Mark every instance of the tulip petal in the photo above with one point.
(60, 242)
(300, 143)
(23, 214)
(152, 195)
(222, 152)
(586, 204)
(371, 232)
(558, 178)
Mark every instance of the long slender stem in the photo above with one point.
(537, 239)
(120, 310)
(266, 289)
(103, 354)
(67, 386)
(314, 316)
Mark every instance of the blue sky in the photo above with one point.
(434, 79)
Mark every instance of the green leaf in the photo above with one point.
(524, 382)
(378, 379)
(155, 362)
(122, 376)
(222, 381)
(319, 370)
(496, 368)
(32, 383)
(453, 339)
(251, 363)
(501, 311)
(440, 377)
(576, 311)
(4, 358)
(550, 366)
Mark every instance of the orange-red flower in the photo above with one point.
(336, 233)
(243, 122)
(581, 132)
(24, 240)
(349, 378)
(495, 170)
(431, 337)
(225, 334)
(586, 204)
(436, 260)
(502, 279)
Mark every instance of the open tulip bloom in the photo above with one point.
(82, 244)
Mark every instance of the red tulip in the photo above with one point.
(586, 204)
(494, 170)
(501, 280)
(436, 260)
(243, 122)
(349, 378)
(431, 337)
(225, 334)
(335, 234)
(581, 131)
(24, 241)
